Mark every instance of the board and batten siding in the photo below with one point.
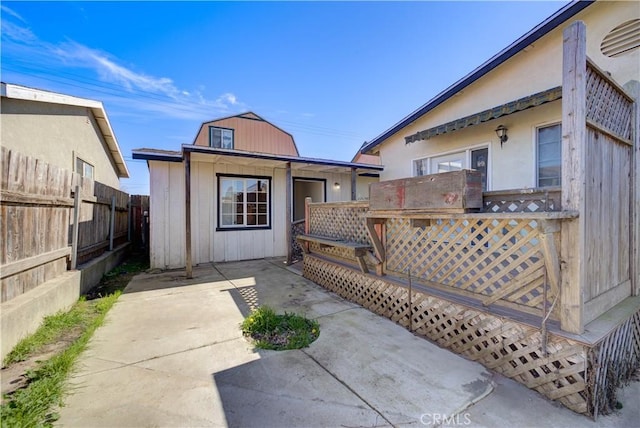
(167, 211)
(251, 134)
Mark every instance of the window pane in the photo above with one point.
(88, 171)
(227, 139)
(549, 145)
(216, 138)
(420, 166)
(244, 202)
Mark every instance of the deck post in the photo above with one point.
(288, 197)
(307, 221)
(354, 184)
(187, 213)
(574, 88)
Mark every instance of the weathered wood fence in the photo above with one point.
(39, 207)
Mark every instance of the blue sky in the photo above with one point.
(333, 74)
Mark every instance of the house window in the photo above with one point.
(477, 159)
(220, 138)
(549, 155)
(243, 202)
(85, 169)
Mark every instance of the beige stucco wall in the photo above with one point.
(537, 69)
(56, 134)
(167, 211)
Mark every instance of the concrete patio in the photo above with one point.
(172, 354)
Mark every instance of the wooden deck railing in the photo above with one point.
(511, 259)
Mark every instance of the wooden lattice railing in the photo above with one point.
(509, 258)
(522, 200)
(491, 258)
(297, 228)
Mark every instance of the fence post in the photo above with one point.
(76, 226)
(112, 223)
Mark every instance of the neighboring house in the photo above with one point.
(68, 132)
(247, 186)
(518, 89)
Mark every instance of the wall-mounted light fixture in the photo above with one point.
(501, 132)
(336, 185)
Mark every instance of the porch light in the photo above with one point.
(336, 185)
(501, 132)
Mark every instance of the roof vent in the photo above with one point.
(622, 39)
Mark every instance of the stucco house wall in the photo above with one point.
(58, 129)
(534, 69)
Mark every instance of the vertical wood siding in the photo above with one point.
(252, 135)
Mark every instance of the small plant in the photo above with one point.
(279, 332)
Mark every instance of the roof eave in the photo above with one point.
(545, 27)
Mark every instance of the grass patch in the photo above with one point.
(68, 333)
(279, 332)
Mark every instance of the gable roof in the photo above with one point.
(539, 31)
(9, 90)
(250, 116)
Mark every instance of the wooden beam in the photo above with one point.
(550, 252)
(187, 213)
(378, 248)
(354, 184)
(574, 119)
(288, 215)
(19, 266)
(14, 197)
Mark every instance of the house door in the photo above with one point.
(313, 188)
(480, 162)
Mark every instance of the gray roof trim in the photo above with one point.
(542, 29)
(281, 158)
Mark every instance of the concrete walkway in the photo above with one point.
(171, 354)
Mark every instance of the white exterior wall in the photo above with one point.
(167, 210)
(537, 69)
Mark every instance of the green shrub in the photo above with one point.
(279, 332)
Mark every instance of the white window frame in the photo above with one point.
(467, 159)
(223, 131)
(244, 226)
(534, 133)
(83, 170)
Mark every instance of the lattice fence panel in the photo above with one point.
(606, 106)
(343, 221)
(297, 228)
(518, 202)
(476, 255)
(506, 346)
(615, 360)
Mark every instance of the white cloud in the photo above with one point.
(141, 91)
(11, 12)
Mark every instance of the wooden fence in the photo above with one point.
(37, 221)
(597, 175)
(140, 223)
